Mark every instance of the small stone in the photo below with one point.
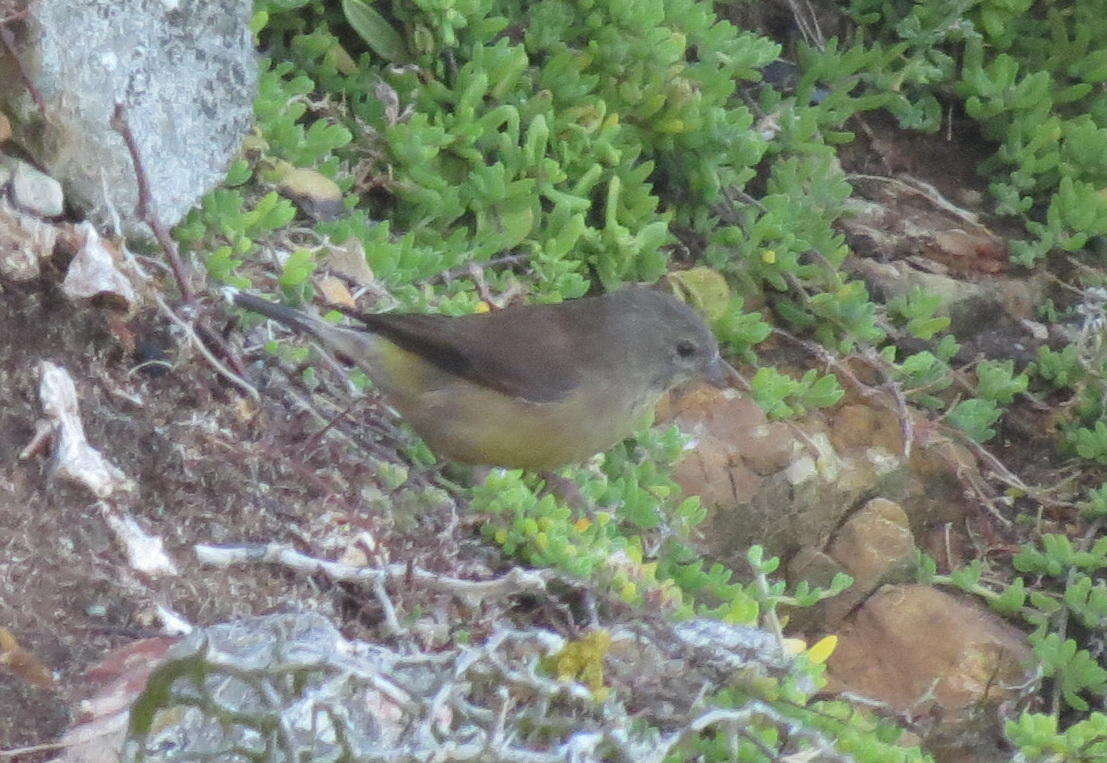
(5, 128)
(36, 191)
(816, 567)
(314, 193)
(94, 274)
(803, 469)
(25, 242)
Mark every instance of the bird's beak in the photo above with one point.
(719, 373)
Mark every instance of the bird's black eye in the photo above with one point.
(685, 349)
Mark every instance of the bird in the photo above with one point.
(531, 386)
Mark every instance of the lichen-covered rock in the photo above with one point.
(185, 73)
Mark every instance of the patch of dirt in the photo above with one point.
(209, 467)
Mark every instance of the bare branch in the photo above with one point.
(516, 581)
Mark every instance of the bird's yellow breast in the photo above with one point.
(472, 424)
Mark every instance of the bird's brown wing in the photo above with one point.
(526, 352)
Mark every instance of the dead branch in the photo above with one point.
(516, 581)
(145, 207)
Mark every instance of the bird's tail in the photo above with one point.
(286, 315)
(359, 347)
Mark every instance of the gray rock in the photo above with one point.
(35, 191)
(25, 241)
(183, 69)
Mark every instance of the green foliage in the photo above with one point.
(549, 146)
(1091, 443)
(784, 397)
(638, 507)
(1037, 737)
(1031, 79)
(739, 331)
(1057, 555)
(976, 417)
(996, 381)
(295, 274)
(378, 34)
(917, 309)
(1060, 369)
(1095, 507)
(922, 375)
(1074, 669)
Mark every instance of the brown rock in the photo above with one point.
(790, 485)
(853, 426)
(725, 413)
(864, 426)
(770, 448)
(760, 482)
(726, 419)
(720, 423)
(874, 546)
(816, 567)
(712, 472)
(918, 649)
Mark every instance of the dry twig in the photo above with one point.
(145, 208)
(517, 581)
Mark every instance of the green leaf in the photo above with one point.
(975, 417)
(297, 269)
(378, 34)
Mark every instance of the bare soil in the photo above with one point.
(209, 467)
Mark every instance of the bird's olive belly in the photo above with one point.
(475, 425)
